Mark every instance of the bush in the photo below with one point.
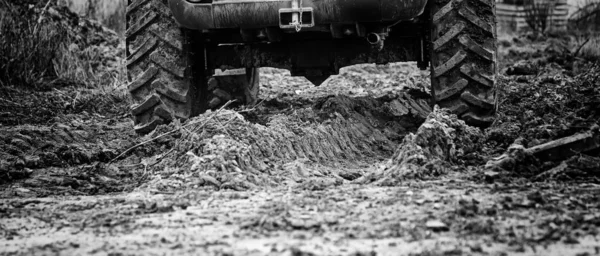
(44, 46)
(585, 26)
(52, 63)
(587, 16)
(538, 13)
(27, 48)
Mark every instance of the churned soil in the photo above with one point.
(361, 165)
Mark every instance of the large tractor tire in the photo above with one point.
(165, 70)
(463, 58)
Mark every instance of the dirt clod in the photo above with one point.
(428, 152)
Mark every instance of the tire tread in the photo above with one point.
(463, 60)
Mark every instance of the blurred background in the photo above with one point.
(513, 15)
(547, 15)
(111, 13)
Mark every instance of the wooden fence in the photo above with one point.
(512, 15)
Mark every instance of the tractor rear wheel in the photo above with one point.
(463, 58)
(165, 69)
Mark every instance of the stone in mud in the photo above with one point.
(397, 108)
(516, 158)
(436, 225)
(4, 166)
(436, 143)
(522, 68)
(32, 161)
(508, 160)
(491, 176)
(19, 164)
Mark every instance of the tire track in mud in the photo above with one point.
(61, 144)
(225, 150)
(67, 157)
(292, 136)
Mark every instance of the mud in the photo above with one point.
(429, 152)
(361, 165)
(347, 220)
(225, 150)
(65, 158)
(560, 99)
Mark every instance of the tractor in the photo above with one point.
(185, 57)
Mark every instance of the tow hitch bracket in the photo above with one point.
(296, 17)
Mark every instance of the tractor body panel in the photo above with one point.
(220, 14)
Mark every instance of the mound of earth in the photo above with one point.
(224, 150)
(431, 151)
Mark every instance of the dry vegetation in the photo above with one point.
(582, 38)
(108, 12)
(537, 14)
(37, 48)
(65, 63)
(585, 26)
(28, 49)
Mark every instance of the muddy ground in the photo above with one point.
(357, 166)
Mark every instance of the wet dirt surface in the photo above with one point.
(452, 216)
(357, 166)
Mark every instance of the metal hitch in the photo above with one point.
(296, 17)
